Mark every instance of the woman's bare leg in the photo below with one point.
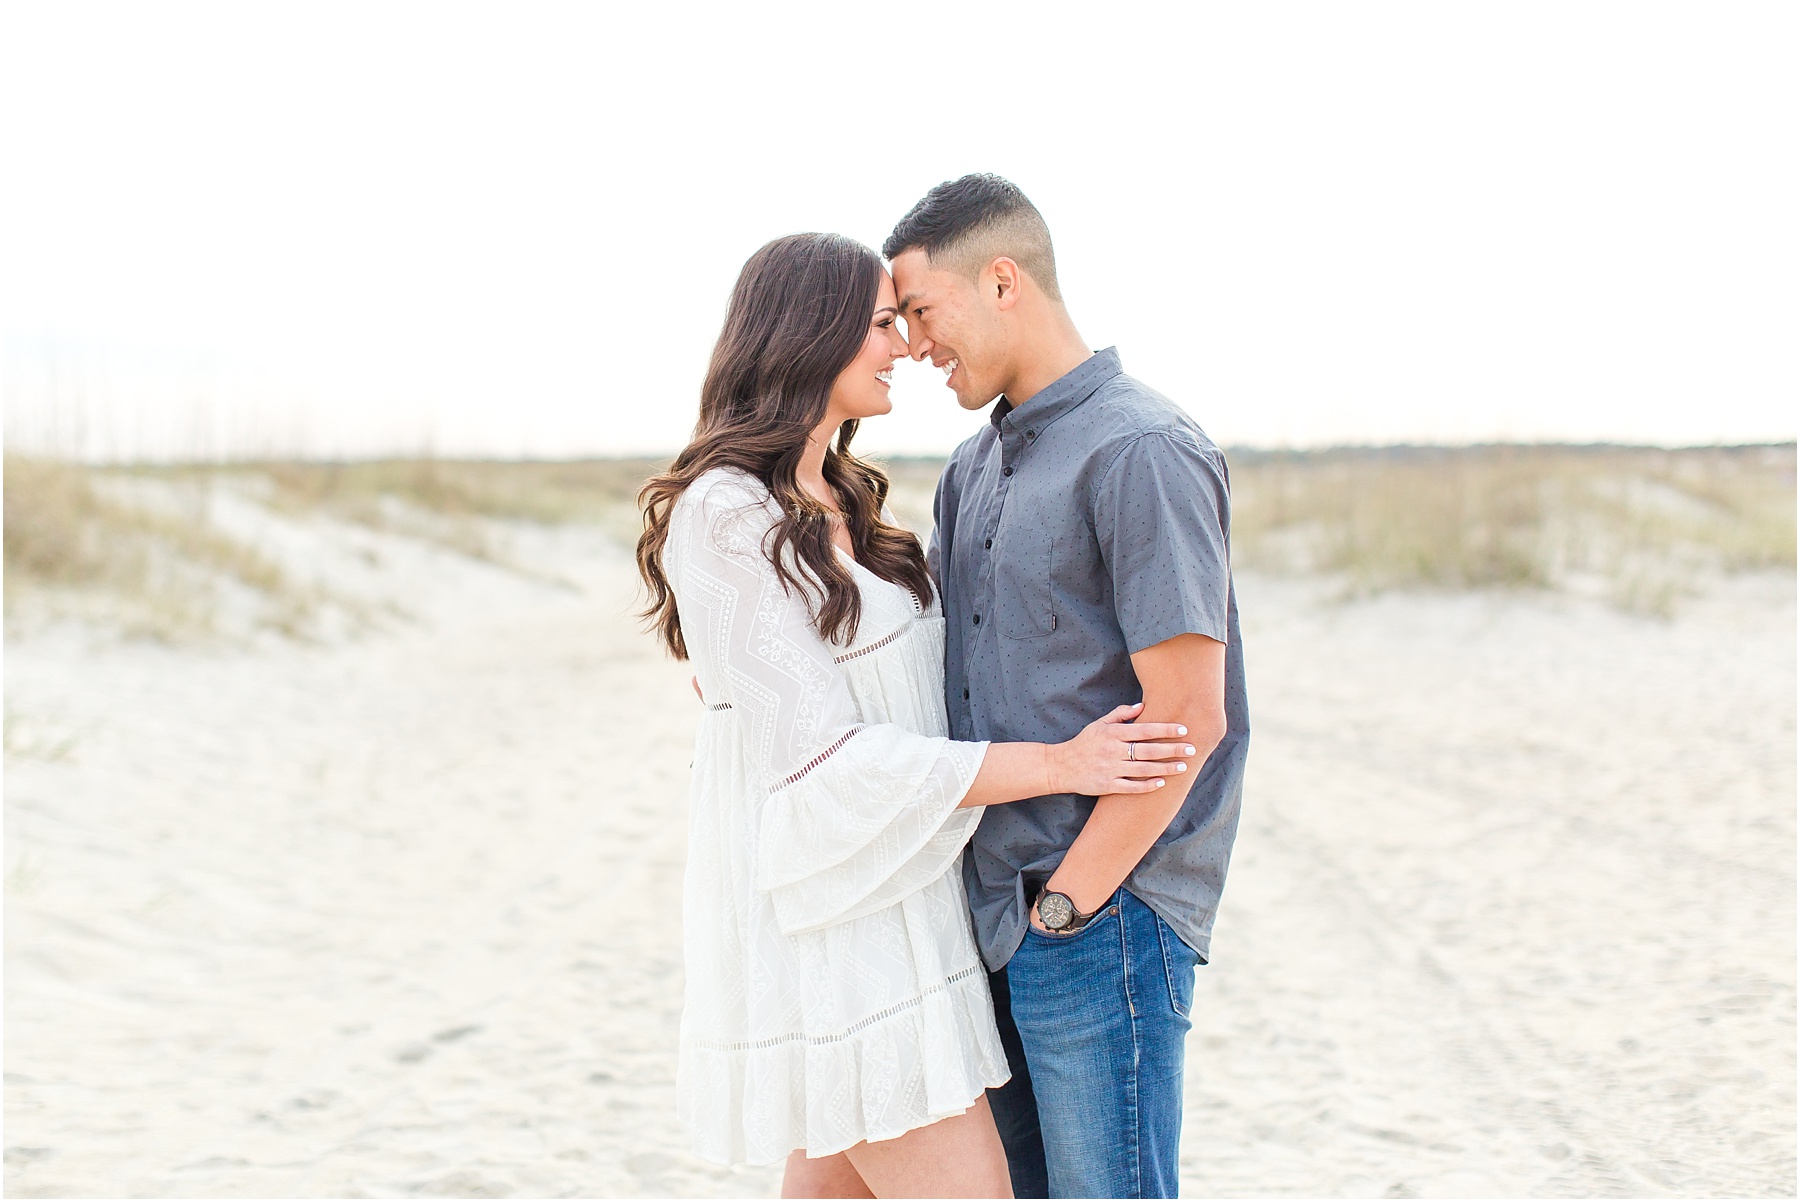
(826, 1177)
(957, 1157)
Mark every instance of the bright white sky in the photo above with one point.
(510, 229)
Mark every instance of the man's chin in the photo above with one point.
(974, 402)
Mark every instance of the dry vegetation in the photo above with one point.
(88, 549)
(449, 501)
(141, 546)
(1641, 527)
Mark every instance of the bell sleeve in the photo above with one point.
(848, 817)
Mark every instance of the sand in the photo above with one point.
(398, 914)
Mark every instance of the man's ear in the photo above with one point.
(1003, 277)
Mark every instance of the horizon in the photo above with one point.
(1241, 449)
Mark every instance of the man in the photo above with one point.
(1083, 552)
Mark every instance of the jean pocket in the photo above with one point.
(1111, 911)
(1179, 963)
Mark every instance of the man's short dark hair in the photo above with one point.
(965, 224)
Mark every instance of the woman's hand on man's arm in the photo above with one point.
(1112, 755)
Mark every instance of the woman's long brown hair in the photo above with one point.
(799, 314)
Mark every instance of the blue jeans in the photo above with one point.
(1094, 1026)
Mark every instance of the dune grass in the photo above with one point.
(1641, 527)
(451, 501)
(550, 492)
(72, 542)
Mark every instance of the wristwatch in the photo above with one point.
(1059, 914)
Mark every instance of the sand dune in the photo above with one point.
(1512, 912)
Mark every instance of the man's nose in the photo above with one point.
(918, 347)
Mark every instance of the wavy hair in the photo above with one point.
(799, 315)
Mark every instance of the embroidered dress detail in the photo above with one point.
(834, 994)
(797, 776)
(877, 645)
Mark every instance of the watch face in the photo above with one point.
(1056, 910)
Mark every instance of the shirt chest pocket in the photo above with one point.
(1024, 563)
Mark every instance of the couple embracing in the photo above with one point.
(960, 817)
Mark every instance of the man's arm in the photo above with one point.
(1184, 681)
(1161, 513)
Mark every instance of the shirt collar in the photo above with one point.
(1068, 391)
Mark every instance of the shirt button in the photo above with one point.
(1006, 471)
(965, 694)
(988, 545)
(1031, 433)
(977, 619)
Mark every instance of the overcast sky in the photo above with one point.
(510, 229)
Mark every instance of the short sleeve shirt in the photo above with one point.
(1083, 526)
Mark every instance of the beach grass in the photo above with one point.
(1641, 527)
(452, 502)
(72, 541)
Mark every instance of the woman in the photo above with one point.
(837, 1013)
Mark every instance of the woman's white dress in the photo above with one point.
(834, 993)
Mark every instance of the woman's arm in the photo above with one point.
(1095, 762)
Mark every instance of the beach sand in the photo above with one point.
(1512, 910)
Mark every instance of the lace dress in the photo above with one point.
(834, 993)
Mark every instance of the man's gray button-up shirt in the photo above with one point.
(1087, 524)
